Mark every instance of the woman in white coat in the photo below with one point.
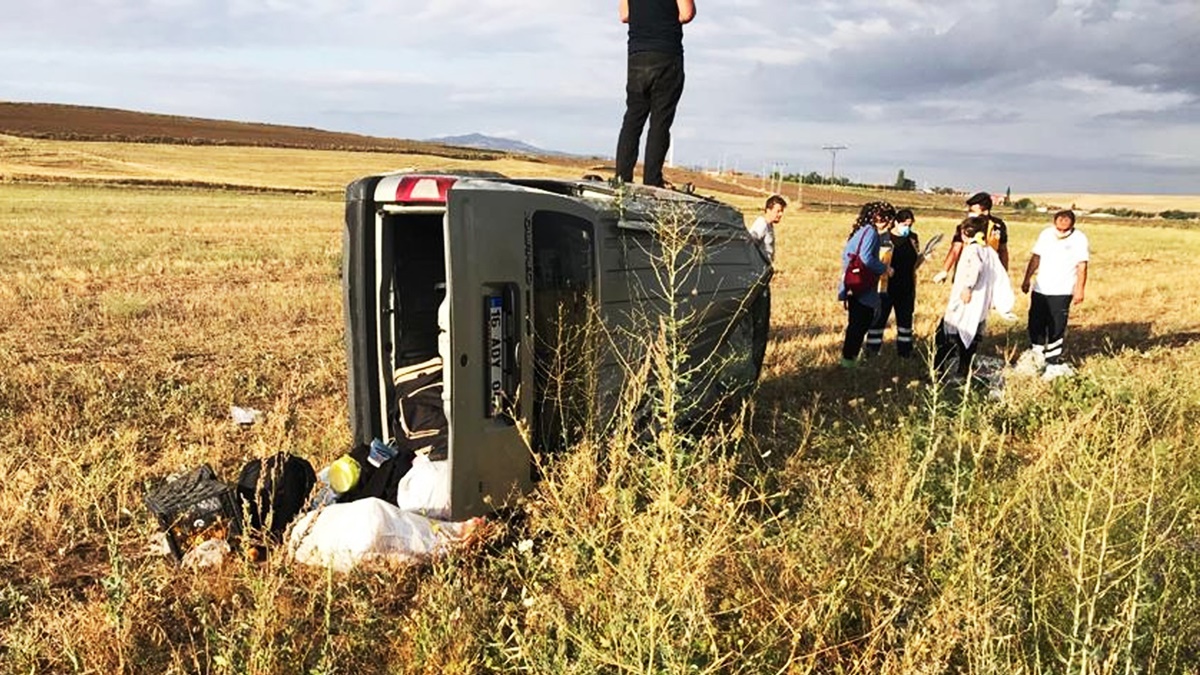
(980, 285)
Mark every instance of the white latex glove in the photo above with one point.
(940, 277)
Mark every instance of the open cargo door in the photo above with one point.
(489, 232)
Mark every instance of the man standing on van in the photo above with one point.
(654, 82)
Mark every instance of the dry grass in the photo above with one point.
(253, 167)
(862, 522)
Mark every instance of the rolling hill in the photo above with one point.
(52, 122)
(84, 123)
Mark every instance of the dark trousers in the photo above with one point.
(861, 318)
(1048, 324)
(761, 313)
(652, 89)
(947, 346)
(902, 304)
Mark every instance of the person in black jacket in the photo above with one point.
(979, 205)
(901, 250)
(654, 82)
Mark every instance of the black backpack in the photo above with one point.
(379, 482)
(274, 490)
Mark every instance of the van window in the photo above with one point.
(563, 288)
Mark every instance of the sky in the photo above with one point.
(1032, 95)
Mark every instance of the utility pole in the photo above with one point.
(833, 151)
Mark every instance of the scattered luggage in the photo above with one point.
(394, 510)
(194, 508)
(274, 491)
(341, 536)
(425, 489)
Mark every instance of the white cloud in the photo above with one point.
(1102, 97)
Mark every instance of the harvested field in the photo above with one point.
(1091, 202)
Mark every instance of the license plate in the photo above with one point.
(495, 355)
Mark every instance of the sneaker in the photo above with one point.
(1057, 370)
(1031, 362)
(849, 364)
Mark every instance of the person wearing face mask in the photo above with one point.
(1060, 265)
(995, 234)
(861, 308)
(901, 250)
(980, 285)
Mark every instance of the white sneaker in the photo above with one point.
(1057, 370)
(1031, 362)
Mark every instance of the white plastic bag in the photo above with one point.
(341, 536)
(425, 489)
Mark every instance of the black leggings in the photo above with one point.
(861, 318)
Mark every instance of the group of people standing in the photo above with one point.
(884, 246)
(883, 243)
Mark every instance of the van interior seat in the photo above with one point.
(420, 412)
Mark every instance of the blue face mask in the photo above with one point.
(901, 230)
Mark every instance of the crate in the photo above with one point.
(194, 508)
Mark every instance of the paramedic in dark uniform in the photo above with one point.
(654, 82)
(900, 250)
(995, 235)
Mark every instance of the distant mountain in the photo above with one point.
(484, 142)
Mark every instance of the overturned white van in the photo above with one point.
(509, 264)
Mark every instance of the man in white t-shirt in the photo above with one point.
(1060, 262)
(763, 232)
(763, 229)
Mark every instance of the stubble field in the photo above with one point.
(861, 521)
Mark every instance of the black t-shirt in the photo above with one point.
(996, 234)
(654, 27)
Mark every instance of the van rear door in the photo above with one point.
(494, 231)
(489, 373)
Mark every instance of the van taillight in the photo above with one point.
(426, 189)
